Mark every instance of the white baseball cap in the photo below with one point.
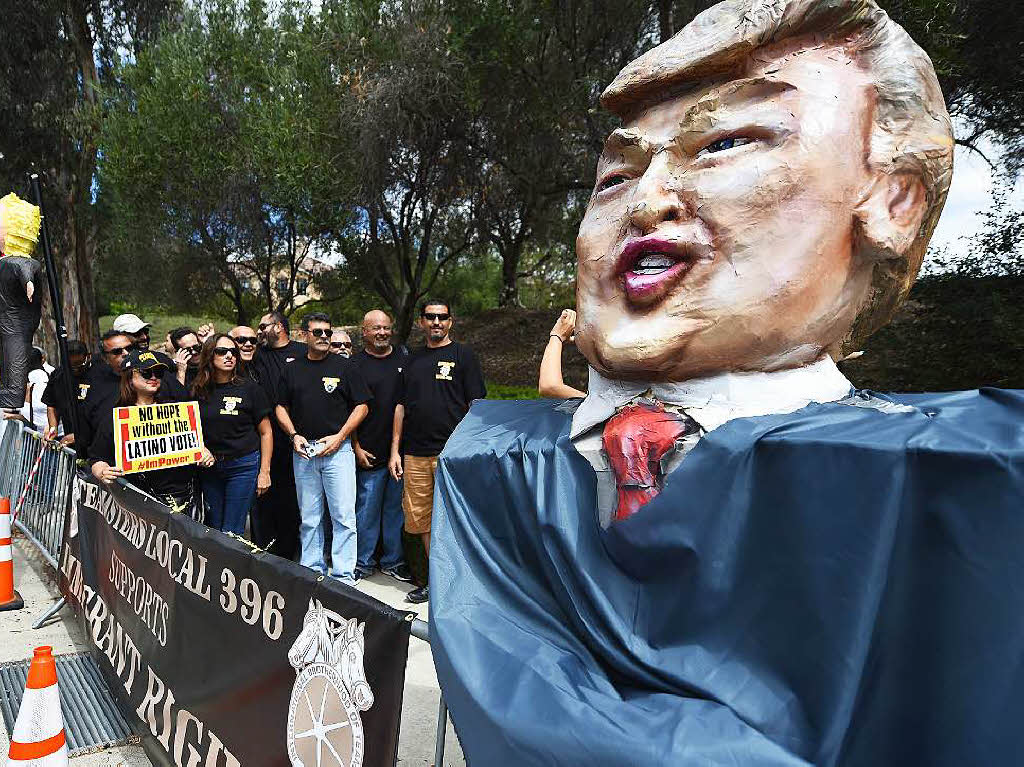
(129, 323)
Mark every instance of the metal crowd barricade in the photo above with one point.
(45, 498)
(37, 476)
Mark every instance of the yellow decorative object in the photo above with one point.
(19, 224)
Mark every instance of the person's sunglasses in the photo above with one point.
(341, 344)
(149, 374)
(439, 317)
(319, 332)
(250, 340)
(224, 351)
(193, 349)
(265, 325)
(119, 351)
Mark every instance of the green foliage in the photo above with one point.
(954, 332)
(428, 147)
(210, 154)
(502, 391)
(162, 324)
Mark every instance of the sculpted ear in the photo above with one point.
(890, 215)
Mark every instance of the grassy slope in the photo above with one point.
(164, 323)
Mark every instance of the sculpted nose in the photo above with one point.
(658, 197)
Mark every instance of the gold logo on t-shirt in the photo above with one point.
(330, 384)
(83, 390)
(444, 371)
(229, 405)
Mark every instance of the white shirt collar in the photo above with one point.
(716, 399)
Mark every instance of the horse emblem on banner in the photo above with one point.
(325, 728)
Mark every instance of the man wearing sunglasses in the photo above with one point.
(438, 384)
(187, 346)
(341, 343)
(321, 400)
(276, 521)
(247, 341)
(58, 409)
(138, 331)
(104, 381)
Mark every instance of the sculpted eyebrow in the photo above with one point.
(622, 139)
(736, 93)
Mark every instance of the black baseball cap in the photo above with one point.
(142, 360)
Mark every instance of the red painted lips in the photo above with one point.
(651, 266)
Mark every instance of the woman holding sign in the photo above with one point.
(141, 377)
(236, 428)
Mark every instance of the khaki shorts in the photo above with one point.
(418, 492)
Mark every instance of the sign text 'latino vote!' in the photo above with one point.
(148, 437)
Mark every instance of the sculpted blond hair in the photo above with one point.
(911, 128)
(21, 222)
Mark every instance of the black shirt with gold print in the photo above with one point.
(438, 386)
(230, 416)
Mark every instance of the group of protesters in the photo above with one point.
(299, 436)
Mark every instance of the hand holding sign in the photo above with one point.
(160, 436)
(106, 473)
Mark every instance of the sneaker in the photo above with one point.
(399, 572)
(418, 596)
(363, 572)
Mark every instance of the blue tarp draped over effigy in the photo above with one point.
(837, 586)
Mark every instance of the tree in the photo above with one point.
(56, 60)
(533, 73)
(209, 158)
(395, 132)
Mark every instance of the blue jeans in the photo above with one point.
(333, 476)
(379, 516)
(229, 488)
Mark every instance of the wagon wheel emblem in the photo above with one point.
(324, 727)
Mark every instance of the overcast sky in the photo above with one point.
(970, 193)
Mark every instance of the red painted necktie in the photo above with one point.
(635, 440)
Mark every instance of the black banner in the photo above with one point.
(224, 656)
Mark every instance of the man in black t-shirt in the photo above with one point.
(137, 329)
(104, 382)
(275, 523)
(438, 384)
(187, 346)
(378, 494)
(321, 400)
(55, 397)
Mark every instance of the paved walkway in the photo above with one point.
(35, 582)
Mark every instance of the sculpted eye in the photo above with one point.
(613, 180)
(724, 144)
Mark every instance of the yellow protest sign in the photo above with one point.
(148, 437)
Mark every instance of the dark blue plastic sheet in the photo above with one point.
(837, 586)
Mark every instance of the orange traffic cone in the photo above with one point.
(9, 598)
(38, 738)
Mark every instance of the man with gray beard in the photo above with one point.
(379, 515)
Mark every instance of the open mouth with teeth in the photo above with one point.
(649, 269)
(654, 264)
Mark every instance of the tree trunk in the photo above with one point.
(79, 290)
(405, 315)
(665, 26)
(74, 245)
(510, 257)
